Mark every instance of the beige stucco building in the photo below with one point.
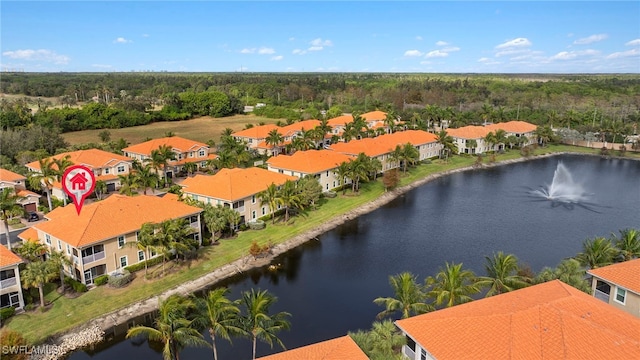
(618, 285)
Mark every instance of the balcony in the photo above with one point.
(601, 295)
(91, 258)
(408, 352)
(7, 283)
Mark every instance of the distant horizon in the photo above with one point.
(442, 37)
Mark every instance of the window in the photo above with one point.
(121, 169)
(327, 186)
(68, 249)
(59, 246)
(47, 239)
(253, 214)
(253, 199)
(281, 171)
(621, 295)
(106, 170)
(121, 242)
(327, 172)
(264, 211)
(423, 354)
(140, 255)
(123, 261)
(201, 153)
(153, 253)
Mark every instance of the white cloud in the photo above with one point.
(266, 51)
(487, 61)
(248, 51)
(145, 35)
(451, 49)
(292, 39)
(623, 54)
(37, 55)
(442, 43)
(436, 53)
(298, 52)
(315, 48)
(122, 40)
(277, 58)
(590, 39)
(419, 38)
(568, 55)
(320, 42)
(512, 52)
(515, 43)
(410, 53)
(635, 42)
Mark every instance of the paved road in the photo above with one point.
(13, 235)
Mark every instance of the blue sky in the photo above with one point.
(321, 36)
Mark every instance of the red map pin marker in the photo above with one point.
(78, 182)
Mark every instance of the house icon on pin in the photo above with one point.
(79, 181)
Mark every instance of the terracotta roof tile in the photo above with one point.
(256, 132)
(478, 132)
(29, 234)
(261, 132)
(175, 142)
(309, 161)
(116, 215)
(340, 120)
(384, 143)
(376, 115)
(547, 321)
(516, 127)
(342, 348)
(625, 274)
(6, 175)
(298, 126)
(8, 258)
(25, 193)
(469, 132)
(93, 158)
(233, 184)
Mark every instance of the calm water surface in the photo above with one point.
(329, 285)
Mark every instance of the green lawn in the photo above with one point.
(68, 313)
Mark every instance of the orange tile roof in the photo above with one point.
(175, 142)
(298, 126)
(547, 321)
(342, 348)
(256, 132)
(233, 184)
(376, 115)
(384, 143)
(116, 215)
(340, 120)
(93, 158)
(515, 127)
(25, 193)
(8, 258)
(6, 175)
(309, 161)
(469, 132)
(625, 274)
(194, 160)
(29, 234)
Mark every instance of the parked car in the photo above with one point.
(32, 216)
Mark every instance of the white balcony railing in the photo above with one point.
(601, 295)
(6, 283)
(91, 258)
(408, 352)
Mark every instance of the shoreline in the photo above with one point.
(107, 323)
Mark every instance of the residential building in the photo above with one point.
(382, 146)
(29, 200)
(618, 285)
(235, 188)
(102, 238)
(255, 137)
(10, 287)
(339, 123)
(317, 163)
(185, 150)
(342, 348)
(471, 139)
(106, 166)
(547, 321)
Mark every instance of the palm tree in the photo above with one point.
(289, 197)
(190, 168)
(257, 323)
(58, 260)
(596, 253)
(383, 342)
(130, 184)
(31, 250)
(9, 206)
(213, 217)
(409, 155)
(628, 244)
(172, 328)
(502, 274)
(269, 196)
(452, 285)
(37, 274)
(62, 164)
(146, 240)
(448, 144)
(100, 189)
(490, 140)
(358, 170)
(409, 297)
(396, 155)
(233, 218)
(274, 138)
(44, 179)
(220, 315)
(569, 271)
(342, 172)
(160, 158)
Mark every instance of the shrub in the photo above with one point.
(10, 339)
(256, 225)
(29, 307)
(242, 227)
(257, 251)
(139, 266)
(330, 194)
(7, 312)
(120, 280)
(76, 285)
(101, 280)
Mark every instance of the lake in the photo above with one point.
(328, 285)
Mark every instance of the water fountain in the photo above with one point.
(563, 190)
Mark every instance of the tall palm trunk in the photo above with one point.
(48, 192)
(6, 229)
(254, 347)
(213, 344)
(41, 291)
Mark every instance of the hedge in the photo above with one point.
(77, 286)
(101, 280)
(256, 225)
(139, 266)
(7, 312)
(120, 280)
